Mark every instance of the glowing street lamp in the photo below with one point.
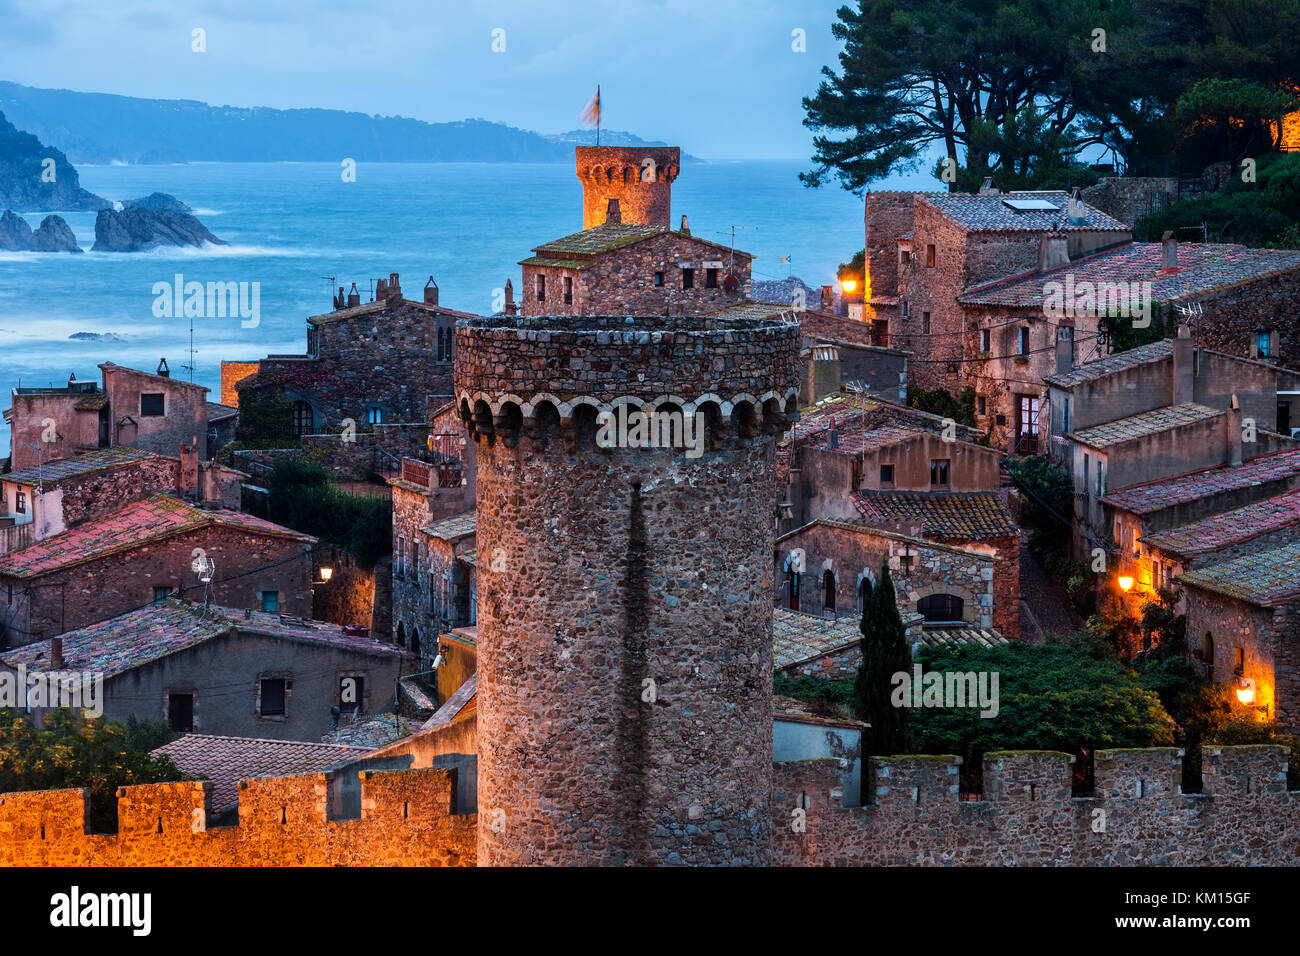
(1246, 691)
(326, 574)
(849, 285)
(1125, 582)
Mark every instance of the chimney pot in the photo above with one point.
(163, 370)
(987, 188)
(431, 292)
(1054, 250)
(510, 308)
(1234, 432)
(56, 653)
(686, 229)
(354, 296)
(613, 215)
(1168, 252)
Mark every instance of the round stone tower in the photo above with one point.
(625, 584)
(639, 177)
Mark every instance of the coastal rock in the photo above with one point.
(133, 230)
(15, 234)
(34, 176)
(164, 202)
(54, 235)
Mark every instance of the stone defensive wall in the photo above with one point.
(408, 818)
(1138, 815)
(517, 370)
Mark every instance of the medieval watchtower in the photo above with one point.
(639, 177)
(624, 596)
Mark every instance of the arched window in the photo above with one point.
(1207, 654)
(792, 588)
(828, 589)
(864, 592)
(415, 639)
(939, 608)
(303, 419)
(401, 635)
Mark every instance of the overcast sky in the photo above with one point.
(717, 77)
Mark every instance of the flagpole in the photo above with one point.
(597, 114)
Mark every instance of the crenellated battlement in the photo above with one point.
(1137, 814)
(407, 818)
(639, 177)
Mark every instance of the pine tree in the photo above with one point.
(885, 652)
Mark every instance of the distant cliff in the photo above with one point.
(103, 128)
(35, 177)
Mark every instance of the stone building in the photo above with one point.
(830, 568)
(370, 364)
(149, 411)
(223, 671)
(598, 554)
(640, 178)
(145, 551)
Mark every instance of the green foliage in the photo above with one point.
(300, 496)
(148, 735)
(266, 424)
(1265, 213)
(885, 652)
(826, 695)
(73, 752)
(1049, 698)
(941, 402)
(855, 268)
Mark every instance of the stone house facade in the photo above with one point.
(367, 364)
(78, 412)
(828, 567)
(141, 553)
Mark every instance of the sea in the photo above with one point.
(299, 230)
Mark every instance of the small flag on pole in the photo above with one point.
(591, 114)
(785, 259)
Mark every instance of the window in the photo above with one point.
(20, 502)
(864, 592)
(1207, 655)
(180, 712)
(925, 323)
(1263, 341)
(568, 290)
(710, 278)
(982, 404)
(151, 404)
(1101, 479)
(444, 345)
(659, 278)
(984, 341)
(940, 608)
(1241, 662)
(929, 255)
(270, 602)
(880, 332)
(1023, 345)
(375, 415)
(855, 477)
(792, 585)
(886, 474)
(160, 594)
(688, 278)
(399, 554)
(541, 288)
(1065, 416)
(902, 306)
(1087, 464)
(303, 419)
(272, 696)
(828, 589)
(939, 473)
(352, 693)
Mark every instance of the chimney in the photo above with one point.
(987, 188)
(1184, 384)
(1074, 210)
(210, 484)
(1053, 251)
(1168, 253)
(394, 288)
(339, 299)
(511, 308)
(1065, 346)
(381, 290)
(354, 297)
(686, 229)
(431, 292)
(828, 298)
(163, 370)
(613, 215)
(1234, 432)
(833, 436)
(188, 478)
(56, 653)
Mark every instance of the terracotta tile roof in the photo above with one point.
(227, 760)
(454, 528)
(1266, 578)
(1148, 423)
(463, 701)
(1201, 268)
(91, 461)
(121, 643)
(377, 306)
(371, 731)
(598, 239)
(130, 527)
(217, 411)
(963, 635)
(798, 637)
(991, 213)
(860, 527)
(804, 712)
(1120, 361)
(556, 262)
(848, 412)
(1230, 528)
(828, 327)
(114, 367)
(752, 310)
(124, 642)
(1166, 492)
(943, 515)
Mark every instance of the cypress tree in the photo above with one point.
(885, 652)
